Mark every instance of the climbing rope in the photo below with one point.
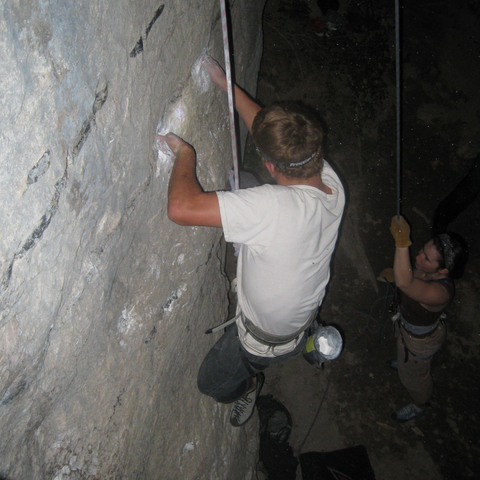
(299, 451)
(398, 79)
(231, 106)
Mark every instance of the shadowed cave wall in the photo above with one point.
(104, 301)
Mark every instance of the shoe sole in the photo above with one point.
(401, 420)
(258, 388)
(389, 365)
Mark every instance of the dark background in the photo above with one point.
(346, 70)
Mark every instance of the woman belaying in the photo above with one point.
(426, 290)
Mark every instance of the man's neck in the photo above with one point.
(315, 181)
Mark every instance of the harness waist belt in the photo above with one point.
(420, 330)
(270, 339)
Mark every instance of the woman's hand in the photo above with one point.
(400, 231)
(216, 72)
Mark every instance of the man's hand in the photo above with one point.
(246, 107)
(188, 204)
(171, 144)
(216, 72)
(400, 231)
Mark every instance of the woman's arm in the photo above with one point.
(432, 294)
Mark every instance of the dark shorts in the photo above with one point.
(226, 371)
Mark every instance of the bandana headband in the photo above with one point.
(283, 166)
(448, 253)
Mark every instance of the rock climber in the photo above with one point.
(287, 234)
(425, 292)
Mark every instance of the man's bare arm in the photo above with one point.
(246, 107)
(188, 204)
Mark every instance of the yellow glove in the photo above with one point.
(401, 232)
(386, 275)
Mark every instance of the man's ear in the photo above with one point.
(271, 168)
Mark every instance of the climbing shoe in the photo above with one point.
(393, 364)
(407, 413)
(243, 407)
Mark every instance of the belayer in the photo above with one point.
(426, 290)
(287, 234)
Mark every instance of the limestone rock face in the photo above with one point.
(103, 300)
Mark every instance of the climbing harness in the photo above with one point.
(231, 107)
(421, 331)
(223, 325)
(267, 339)
(272, 340)
(417, 332)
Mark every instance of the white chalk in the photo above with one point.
(200, 74)
(162, 146)
(324, 346)
(172, 120)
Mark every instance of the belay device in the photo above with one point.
(324, 344)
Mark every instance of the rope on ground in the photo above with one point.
(318, 411)
(378, 329)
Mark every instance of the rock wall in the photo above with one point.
(104, 301)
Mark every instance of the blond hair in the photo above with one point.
(290, 136)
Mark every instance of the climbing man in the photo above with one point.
(287, 234)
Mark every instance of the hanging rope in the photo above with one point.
(399, 99)
(231, 106)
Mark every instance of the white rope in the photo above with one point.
(231, 107)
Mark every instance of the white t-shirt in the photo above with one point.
(287, 237)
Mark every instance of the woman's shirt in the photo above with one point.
(415, 314)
